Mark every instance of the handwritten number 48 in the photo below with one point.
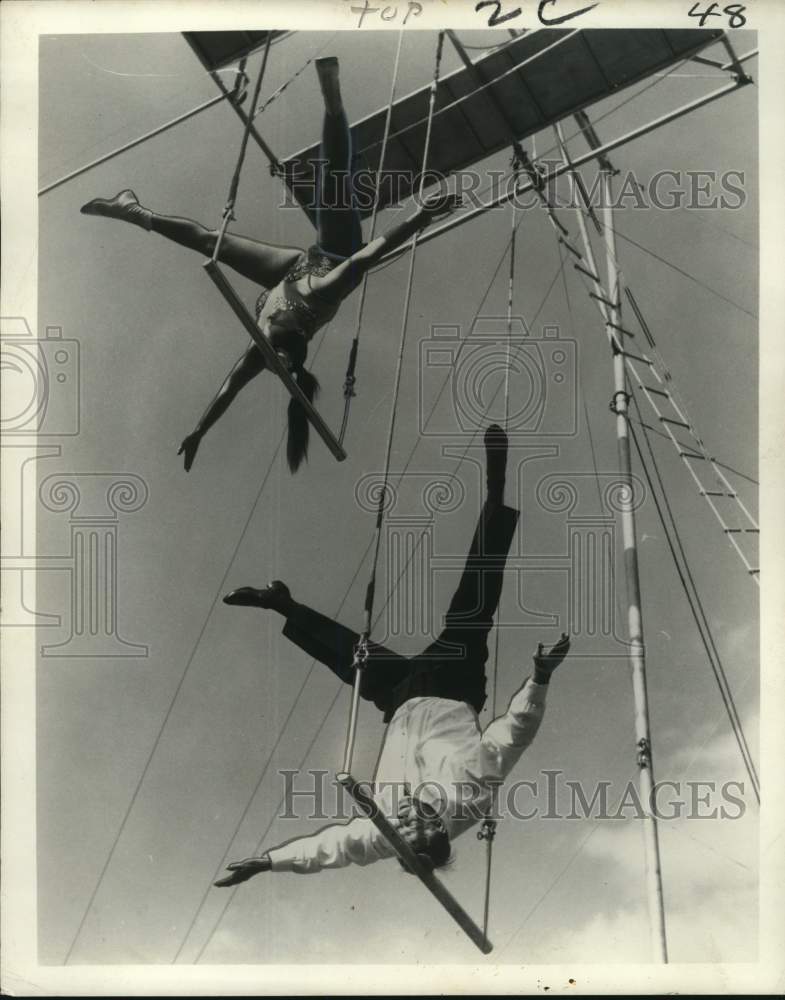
(735, 12)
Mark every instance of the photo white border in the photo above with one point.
(21, 23)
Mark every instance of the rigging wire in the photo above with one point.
(277, 93)
(267, 829)
(477, 90)
(729, 468)
(178, 689)
(693, 596)
(617, 107)
(361, 651)
(231, 562)
(675, 267)
(698, 214)
(689, 586)
(350, 378)
(228, 212)
(236, 93)
(167, 716)
(489, 825)
(265, 770)
(483, 299)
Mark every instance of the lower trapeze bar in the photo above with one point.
(271, 359)
(413, 863)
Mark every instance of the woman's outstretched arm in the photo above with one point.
(342, 280)
(246, 368)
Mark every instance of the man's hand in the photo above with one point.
(546, 662)
(243, 870)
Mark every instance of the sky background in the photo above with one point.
(156, 339)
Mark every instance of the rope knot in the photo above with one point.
(360, 660)
(488, 830)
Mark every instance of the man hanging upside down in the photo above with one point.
(433, 744)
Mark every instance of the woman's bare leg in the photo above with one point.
(248, 367)
(264, 263)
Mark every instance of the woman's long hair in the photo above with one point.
(299, 428)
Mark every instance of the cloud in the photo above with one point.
(710, 882)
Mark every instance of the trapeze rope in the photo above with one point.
(478, 90)
(361, 651)
(488, 828)
(350, 378)
(376, 620)
(261, 840)
(277, 93)
(228, 212)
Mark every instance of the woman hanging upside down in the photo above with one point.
(437, 772)
(303, 288)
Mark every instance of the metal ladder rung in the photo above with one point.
(694, 454)
(636, 357)
(587, 272)
(717, 493)
(572, 250)
(650, 388)
(756, 570)
(740, 531)
(677, 423)
(621, 329)
(601, 298)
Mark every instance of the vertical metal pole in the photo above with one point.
(634, 619)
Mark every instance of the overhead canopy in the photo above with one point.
(578, 71)
(216, 49)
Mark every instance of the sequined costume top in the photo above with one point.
(312, 261)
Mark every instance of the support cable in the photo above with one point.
(350, 378)
(665, 389)
(228, 212)
(237, 94)
(361, 652)
(261, 840)
(683, 569)
(687, 580)
(489, 825)
(175, 695)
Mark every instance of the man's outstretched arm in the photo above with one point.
(507, 737)
(337, 846)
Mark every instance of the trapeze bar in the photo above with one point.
(271, 359)
(413, 863)
(550, 175)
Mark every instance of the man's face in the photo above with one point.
(418, 823)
